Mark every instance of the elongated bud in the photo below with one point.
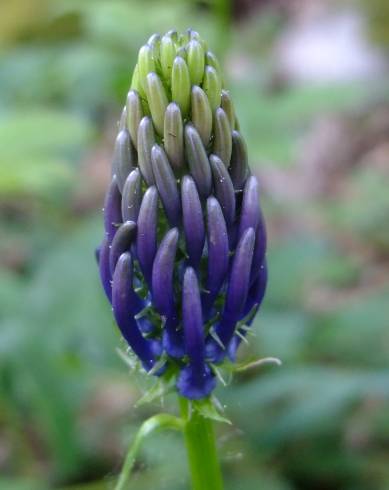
(104, 268)
(201, 114)
(122, 291)
(259, 249)
(146, 65)
(155, 42)
(238, 286)
(168, 53)
(193, 221)
(124, 158)
(134, 115)
(197, 159)
(174, 136)
(146, 140)
(196, 379)
(250, 212)
(112, 209)
(238, 167)
(224, 190)
(181, 84)
(162, 284)
(212, 87)
(132, 196)
(163, 293)
(196, 62)
(228, 107)
(166, 184)
(218, 252)
(121, 243)
(222, 145)
(157, 99)
(146, 239)
(212, 60)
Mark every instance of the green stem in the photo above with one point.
(201, 448)
(153, 424)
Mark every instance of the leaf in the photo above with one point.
(210, 409)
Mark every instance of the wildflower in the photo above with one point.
(183, 257)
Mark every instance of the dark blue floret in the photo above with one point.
(196, 379)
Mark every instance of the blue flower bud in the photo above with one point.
(132, 196)
(112, 210)
(183, 255)
(146, 238)
(123, 302)
(166, 184)
(218, 252)
(121, 242)
(224, 189)
(193, 221)
(124, 158)
(196, 379)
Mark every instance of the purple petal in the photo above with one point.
(124, 157)
(239, 279)
(254, 300)
(162, 277)
(239, 170)
(163, 293)
(193, 220)
(112, 210)
(257, 290)
(166, 184)
(132, 196)
(250, 212)
(236, 296)
(146, 140)
(259, 248)
(122, 290)
(224, 190)
(192, 319)
(122, 242)
(218, 252)
(197, 159)
(104, 269)
(146, 237)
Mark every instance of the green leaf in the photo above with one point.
(210, 408)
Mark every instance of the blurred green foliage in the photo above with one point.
(66, 399)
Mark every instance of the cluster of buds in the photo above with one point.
(183, 257)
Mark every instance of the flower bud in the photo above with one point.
(181, 84)
(183, 257)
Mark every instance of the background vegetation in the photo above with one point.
(67, 401)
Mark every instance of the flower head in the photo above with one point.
(183, 257)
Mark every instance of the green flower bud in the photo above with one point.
(157, 99)
(196, 62)
(211, 60)
(201, 114)
(173, 135)
(146, 65)
(167, 55)
(222, 145)
(212, 87)
(228, 107)
(134, 113)
(181, 85)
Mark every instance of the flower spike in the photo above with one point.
(183, 255)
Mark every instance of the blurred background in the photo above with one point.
(310, 83)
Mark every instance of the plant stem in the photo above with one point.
(201, 448)
(153, 424)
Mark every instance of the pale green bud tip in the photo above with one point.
(178, 62)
